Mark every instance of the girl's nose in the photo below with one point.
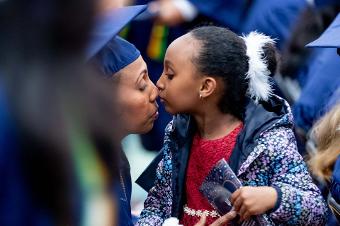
(154, 93)
(160, 84)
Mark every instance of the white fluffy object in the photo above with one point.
(172, 221)
(258, 73)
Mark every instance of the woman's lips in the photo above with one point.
(155, 115)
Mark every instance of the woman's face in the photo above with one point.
(136, 98)
(179, 84)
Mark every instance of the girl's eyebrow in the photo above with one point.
(168, 62)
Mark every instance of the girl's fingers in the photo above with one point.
(242, 211)
(237, 204)
(224, 219)
(234, 196)
(202, 221)
(246, 215)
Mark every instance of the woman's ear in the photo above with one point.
(208, 87)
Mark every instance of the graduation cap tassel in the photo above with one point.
(158, 42)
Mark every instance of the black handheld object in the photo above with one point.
(218, 187)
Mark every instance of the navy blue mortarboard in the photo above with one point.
(115, 55)
(330, 38)
(323, 3)
(109, 25)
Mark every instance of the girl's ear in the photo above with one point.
(208, 86)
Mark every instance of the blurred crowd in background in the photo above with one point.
(58, 130)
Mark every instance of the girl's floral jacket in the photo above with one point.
(265, 155)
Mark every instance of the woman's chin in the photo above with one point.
(146, 128)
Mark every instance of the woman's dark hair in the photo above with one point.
(223, 54)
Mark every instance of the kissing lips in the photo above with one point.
(155, 115)
(162, 100)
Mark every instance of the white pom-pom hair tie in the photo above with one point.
(258, 73)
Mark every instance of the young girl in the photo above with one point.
(217, 86)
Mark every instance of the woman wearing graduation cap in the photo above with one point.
(135, 95)
(135, 101)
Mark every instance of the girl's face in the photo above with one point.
(136, 98)
(179, 84)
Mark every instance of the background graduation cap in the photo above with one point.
(330, 38)
(323, 3)
(108, 25)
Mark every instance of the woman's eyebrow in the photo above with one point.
(141, 75)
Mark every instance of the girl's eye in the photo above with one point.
(170, 76)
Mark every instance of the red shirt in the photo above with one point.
(203, 156)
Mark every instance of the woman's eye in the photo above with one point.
(142, 87)
(143, 83)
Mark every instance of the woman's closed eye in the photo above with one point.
(143, 86)
(143, 83)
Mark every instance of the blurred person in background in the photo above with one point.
(325, 162)
(296, 59)
(274, 18)
(103, 6)
(322, 84)
(320, 80)
(229, 13)
(57, 146)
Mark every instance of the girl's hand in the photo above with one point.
(250, 201)
(220, 221)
